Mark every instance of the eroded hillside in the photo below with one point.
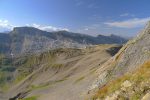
(60, 73)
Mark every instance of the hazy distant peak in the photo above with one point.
(33, 40)
(24, 28)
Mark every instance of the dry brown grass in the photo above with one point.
(140, 75)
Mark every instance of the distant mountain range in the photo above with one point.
(32, 40)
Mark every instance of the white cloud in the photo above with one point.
(127, 14)
(92, 27)
(4, 24)
(86, 29)
(92, 5)
(47, 28)
(79, 3)
(130, 23)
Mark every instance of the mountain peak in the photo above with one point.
(147, 26)
(146, 30)
(27, 31)
(24, 28)
(148, 23)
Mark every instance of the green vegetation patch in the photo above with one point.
(30, 98)
(79, 79)
(47, 85)
(60, 80)
(34, 87)
(57, 66)
(6, 70)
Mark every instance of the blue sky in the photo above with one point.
(121, 17)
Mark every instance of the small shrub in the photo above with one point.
(30, 98)
(79, 79)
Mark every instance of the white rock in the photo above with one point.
(146, 97)
(126, 84)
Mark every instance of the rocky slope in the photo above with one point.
(60, 73)
(132, 55)
(131, 86)
(31, 40)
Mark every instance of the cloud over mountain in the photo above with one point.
(130, 23)
(48, 28)
(6, 25)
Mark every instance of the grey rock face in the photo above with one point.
(129, 58)
(135, 52)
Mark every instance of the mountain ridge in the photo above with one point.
(33, 40)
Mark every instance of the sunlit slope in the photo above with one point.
(131, 86)
(60, 73)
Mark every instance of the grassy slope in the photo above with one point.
(12, 71)
(6, 69)
(22, 66)
(139, 80)
(60, 63)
